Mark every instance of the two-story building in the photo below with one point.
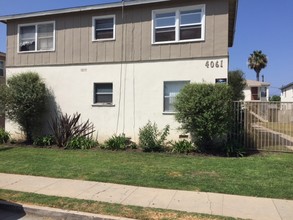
(121, 64)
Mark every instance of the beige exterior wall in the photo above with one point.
(74, 43)
(139, 99)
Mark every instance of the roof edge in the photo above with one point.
(286, 86)
(4, 19)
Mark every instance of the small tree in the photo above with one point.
(237, 82)
(23, 100)
(275, 98)
(204, 110)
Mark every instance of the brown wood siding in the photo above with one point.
(74, 45)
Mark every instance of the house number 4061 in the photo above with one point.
(215, 64)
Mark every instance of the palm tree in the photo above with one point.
(257, 61)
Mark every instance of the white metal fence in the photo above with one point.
(264, 126)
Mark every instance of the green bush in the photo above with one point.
(182, 147)
(204, 111)
(47, 140)
(151, 139)
(24, 100)
(4, 136)
(82, 143)
(115, 142)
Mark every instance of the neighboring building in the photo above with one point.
(122, 64)
(287, 93)
(256, 91)
(2, 80)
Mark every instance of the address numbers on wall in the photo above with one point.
(215, 64)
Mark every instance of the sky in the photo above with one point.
(261, 25)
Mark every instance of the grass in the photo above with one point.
(263, 175)
(102, 207)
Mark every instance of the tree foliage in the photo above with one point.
(204, 110)
(23, 100)
(275, 98)
(237, 82)
(257, 61)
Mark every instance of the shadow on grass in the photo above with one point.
(5, 148)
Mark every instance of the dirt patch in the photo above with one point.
(175, 174)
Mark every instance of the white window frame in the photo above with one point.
(36, 36)
(171, 81)
(177, 23)
(3, 69)
(94, 28)
(109, 93)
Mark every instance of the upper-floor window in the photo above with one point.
(36, 37)
(179, 24)
(104, 28)
(1, 68)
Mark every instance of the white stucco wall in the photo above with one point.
(287, 94)
(247, 94)
(139, 99)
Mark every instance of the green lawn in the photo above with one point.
(265, 175)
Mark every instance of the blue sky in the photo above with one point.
(261, 25)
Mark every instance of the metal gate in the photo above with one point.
(266, 126)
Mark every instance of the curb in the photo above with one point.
(54, 213)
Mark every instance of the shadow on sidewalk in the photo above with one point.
(10, 210)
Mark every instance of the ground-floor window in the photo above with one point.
(103, 93)
(1, 68)
(171, 89)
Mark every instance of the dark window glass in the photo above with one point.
(165, 34)
(190, 32)
(104, 28)
(103, 93)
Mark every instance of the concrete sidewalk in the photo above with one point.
(198, 202)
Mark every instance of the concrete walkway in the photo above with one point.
(198, 202)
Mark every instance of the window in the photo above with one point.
(1, 68)
(103, 93)
(263, 93)
(104, 28)
(37, 37)
(171, 89)
(179, 24)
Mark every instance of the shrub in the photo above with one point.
(204, 110)
(237, 83)
(151, 139)
(24, 100)
(47, 140)
(4, 136)
(82, 143)
(66, 127)
(119, 142)
(182, 146)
